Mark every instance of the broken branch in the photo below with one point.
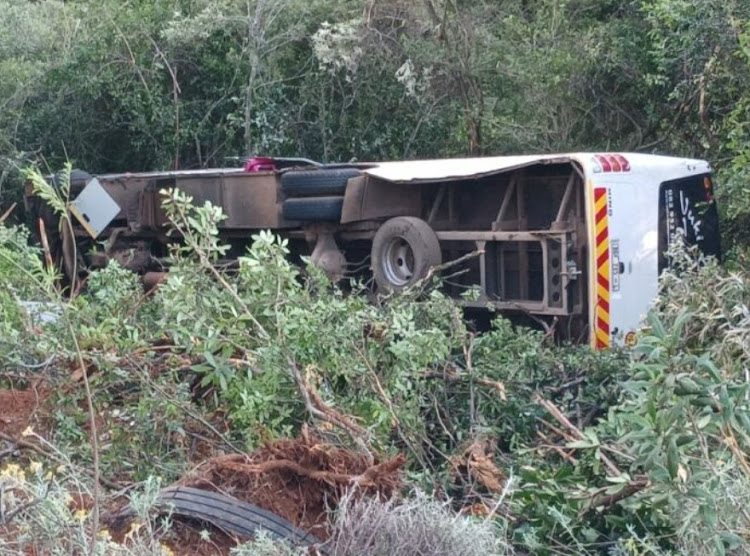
(563, 420)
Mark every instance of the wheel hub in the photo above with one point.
(398, 263)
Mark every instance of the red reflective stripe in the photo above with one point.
(601, 237)
(603, 258)
(604, 283)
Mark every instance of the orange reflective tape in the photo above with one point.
(601, 249)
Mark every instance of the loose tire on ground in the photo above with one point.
(227, 513)
(403, 251)
(313, 209)
(316, 183)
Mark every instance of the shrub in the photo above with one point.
(413, 526)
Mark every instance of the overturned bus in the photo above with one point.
(574, 240)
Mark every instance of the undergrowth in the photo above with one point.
(639, 452)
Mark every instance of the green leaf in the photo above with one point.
(731, 540)
(581, 444)
(673, 458)
(719, 546)
(657, 327)
(614, 489)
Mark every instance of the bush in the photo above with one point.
(414, 526)
(625, 451)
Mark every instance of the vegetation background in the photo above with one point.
(157, 84)
(640, 452)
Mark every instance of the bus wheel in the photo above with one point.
(403, 251)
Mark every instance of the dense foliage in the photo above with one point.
(565, 450)
(569, 451)
(158, 84)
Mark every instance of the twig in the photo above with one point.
(188, 412)
(551, 445)
(731, 442)
(389, 404)
(568, 384)
(42, 452)
(563, 420)
(441, 267)
(495, 385)
(603, 499)
(7, 213)
(45, 245)
(561, 433)
(5, 519)
(317, 408)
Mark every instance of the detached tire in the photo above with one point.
(314, 183)
(403, 251)
(326, 209)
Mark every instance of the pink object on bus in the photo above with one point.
(260, 164)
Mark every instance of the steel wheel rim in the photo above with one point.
(398, 262)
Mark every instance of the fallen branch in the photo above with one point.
(552, 446)
(7, 213)
(318, 409)
(560, 417)
(45, 245)
(450, 376)
(44, 453)
(601, 498)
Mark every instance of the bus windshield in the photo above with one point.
(687, 208)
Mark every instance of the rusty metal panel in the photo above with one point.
(369, 198)
(150, 213)
(202, 189)
(126, 192)
(252, 201)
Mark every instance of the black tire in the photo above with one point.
(403, 251)
(316, 183)
(313, 209)
(77, 178)
(230, 514)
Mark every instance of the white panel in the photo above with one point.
(94, 208)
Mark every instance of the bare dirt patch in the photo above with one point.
(18, 409)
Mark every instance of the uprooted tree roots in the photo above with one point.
(299, 480)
